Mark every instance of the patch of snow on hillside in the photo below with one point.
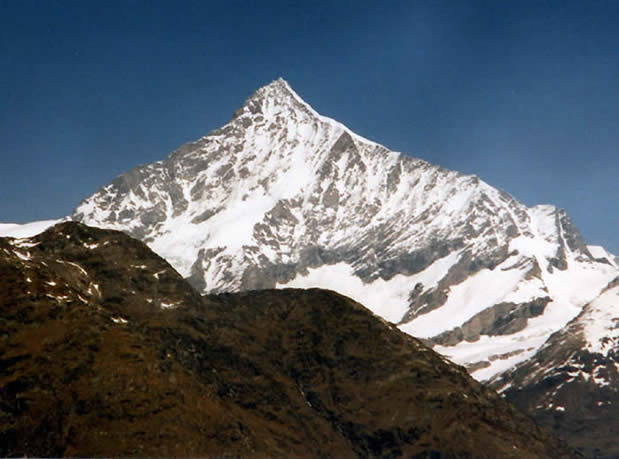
(165, 305)
(23, 256)
(534, 247)
(25, 243)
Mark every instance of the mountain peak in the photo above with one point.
(279, 84)
(277, 87)
(274, 98)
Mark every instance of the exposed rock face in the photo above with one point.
(503, 318)
(284, 197)
(107, 351)
(572, 384)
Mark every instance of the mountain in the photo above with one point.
(107, 351)
(284, 197)
(572, 383)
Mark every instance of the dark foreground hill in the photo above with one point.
(106, 351)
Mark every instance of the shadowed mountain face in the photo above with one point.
(106, 350)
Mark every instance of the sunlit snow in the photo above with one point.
(386, 298)
(601, 321)
(26, 229)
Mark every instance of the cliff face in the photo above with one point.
(107, 351)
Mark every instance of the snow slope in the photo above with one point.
(602, 254)
(26, 229)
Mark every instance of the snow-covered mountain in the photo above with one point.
(572, 383)
(284, 197)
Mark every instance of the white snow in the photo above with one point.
(119, 320)
(57, 297)
(496, 350)
(534, 247)
(75, 265)
(165, 305)
(233, 227)
(600, 252)
(570, 291)
(25, 243)
(23, 256)
(601, 322)
(22, 230)
(478, 292)
(386, 298)
(96, 289)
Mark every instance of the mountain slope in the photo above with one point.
(284, 197)
(107, 351)
(572, 384)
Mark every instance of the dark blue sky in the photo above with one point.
(523, 94)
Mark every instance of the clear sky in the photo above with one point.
(523, 94)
